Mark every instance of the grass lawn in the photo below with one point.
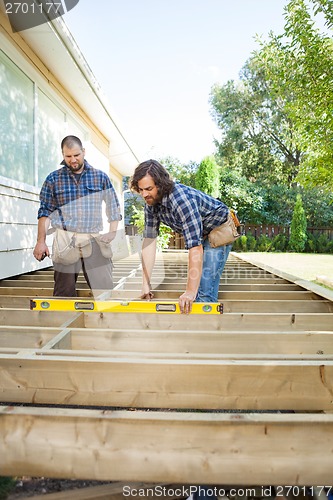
(302, 265)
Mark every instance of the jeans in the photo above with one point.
(214, 260)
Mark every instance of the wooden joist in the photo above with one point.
(172, 447)
(253, 322)
(271, 350)
(168, 382)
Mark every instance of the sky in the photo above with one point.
(157, 61)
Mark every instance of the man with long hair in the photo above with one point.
(189, 212)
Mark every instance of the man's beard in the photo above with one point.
(75, 168)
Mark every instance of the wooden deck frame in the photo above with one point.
(244, 360)
(177, 447)
(166, 381)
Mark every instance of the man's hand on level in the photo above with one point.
(146, 293)
(185, 302)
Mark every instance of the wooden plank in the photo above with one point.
(275, 306)
(168, 383)
(22, 317)
(269, 295)
(38, 284)
(186, 342)
(14, 302)
(25, 337)
(224, 322)
(229, 281)
(183, 448)
(202, 341)
(231, 294)
(229, 285)
(61, 341)
(127, 355)
(177, 277)
(34, 292)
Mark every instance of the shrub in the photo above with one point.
(329, 248)
(263, 243)
(311, 244)
(251, 243)
(322, 243)
(298, 234)
(279, 243)
(6, 486)
(165, 231)
(243, 243)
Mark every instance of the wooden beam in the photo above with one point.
(276, 306)
(223, 295)
(230, 285)
(224, 322)
(9, 293)
(23, 317)
(155, 341)
(168, 383)
(26, 337)
(190, 448)
(202, 341)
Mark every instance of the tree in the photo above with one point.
(298, 235)
(257, 135)
(240, 194)
(207, 177)
(180, 172)
(299, 64)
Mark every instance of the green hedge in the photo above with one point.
(280, 243)
(6, 486)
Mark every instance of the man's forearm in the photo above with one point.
(148, 259)
(43, 225)
(113, 227)
(195, 258)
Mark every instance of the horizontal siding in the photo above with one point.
(18, 229)
(18, 232)
(18, 207)
(17, 262)
(17, 236)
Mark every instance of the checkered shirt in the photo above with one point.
(188, 212)
(77, 205)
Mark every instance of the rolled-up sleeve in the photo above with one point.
(152, 223)
(113, 211)
(47, 201)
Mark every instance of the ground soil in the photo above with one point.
(30, 486)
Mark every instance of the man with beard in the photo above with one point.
(71, 201)
(191, 213)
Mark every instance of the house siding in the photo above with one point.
(19, 201)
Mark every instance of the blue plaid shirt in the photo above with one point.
(77, 205)
(187, 211)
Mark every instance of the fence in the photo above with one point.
(257, 230)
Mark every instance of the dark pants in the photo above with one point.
(97, 271)
(202, 494)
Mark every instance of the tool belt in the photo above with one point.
(225, 234)
(68, 246)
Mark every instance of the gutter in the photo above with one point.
(63, 33)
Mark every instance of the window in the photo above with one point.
(16, 122)
(50, 132)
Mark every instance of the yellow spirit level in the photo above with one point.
(165, 307)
